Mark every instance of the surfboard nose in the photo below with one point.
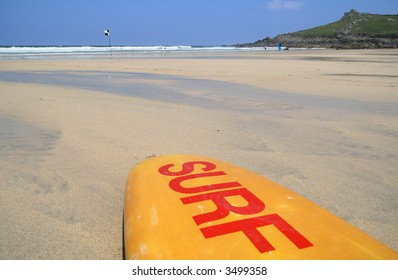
(194, 207)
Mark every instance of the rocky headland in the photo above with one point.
(354, 30)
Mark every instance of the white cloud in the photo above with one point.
(284, 5)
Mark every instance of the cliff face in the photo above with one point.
(342, 42)
(353, 31)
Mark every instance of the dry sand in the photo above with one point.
(322, 123)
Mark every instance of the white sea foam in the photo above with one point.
(77, 49)
(80, 51)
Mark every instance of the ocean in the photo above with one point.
(49, 52)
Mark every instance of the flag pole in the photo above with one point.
(107, 33)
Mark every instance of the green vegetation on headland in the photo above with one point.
(353, 31)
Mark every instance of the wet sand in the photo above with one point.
(322, 123)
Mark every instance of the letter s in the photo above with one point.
(187, 168)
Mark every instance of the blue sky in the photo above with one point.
(168, 22)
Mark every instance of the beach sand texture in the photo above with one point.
(323, 123)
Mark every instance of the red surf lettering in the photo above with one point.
(187, 168)
(175, 184)
(254, 205)
(249, 228)
(223, 207)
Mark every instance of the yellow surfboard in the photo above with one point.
(183, 207)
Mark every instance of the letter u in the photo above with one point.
(175, 184)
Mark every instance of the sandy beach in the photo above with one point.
(323, 123)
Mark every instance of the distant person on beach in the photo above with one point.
(279, 46)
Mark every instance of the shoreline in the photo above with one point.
(321, 123)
